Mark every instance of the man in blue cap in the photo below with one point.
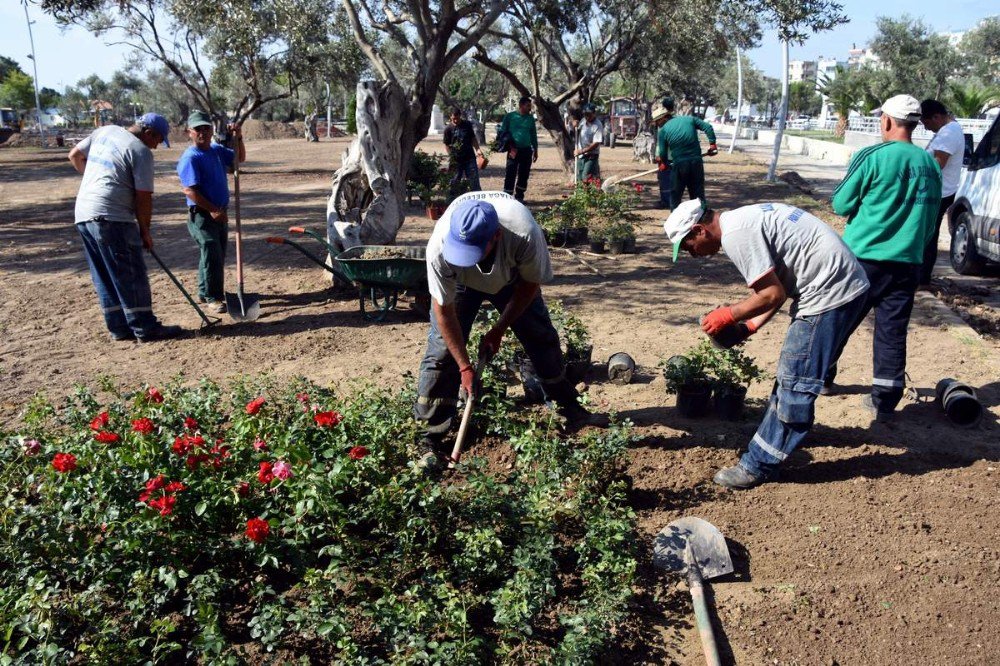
(487, 247)
(114, 211)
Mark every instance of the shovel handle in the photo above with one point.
(456, 451)
(701, 616)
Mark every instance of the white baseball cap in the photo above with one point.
(902, 107)
(681, 219)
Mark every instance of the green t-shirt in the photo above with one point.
(890, 196)
(522, 129)
(679, 135)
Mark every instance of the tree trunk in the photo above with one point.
(552, 120)
(782, 115)
(366, 202)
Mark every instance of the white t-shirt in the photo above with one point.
(949, 139)
(588, 134)
(520, 251)
(814, 265)
(118, 166)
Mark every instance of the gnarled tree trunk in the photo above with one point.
(366, 203)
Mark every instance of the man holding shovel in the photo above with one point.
(486, 247)
(202, 170)
(589, 136)
(678, 145)
(782, 252)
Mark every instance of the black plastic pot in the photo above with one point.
(578, 362)
(597, 246)
(557, 238)
(621, 367)
(576, 236)
(694, 400)
(630, 245)
(729, 401)
(959, 402)
(616, 246)
(532, 384)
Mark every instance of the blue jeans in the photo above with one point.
(664, 178)
(437, 388)
(813, 344)
(468, 170)
(118, 271)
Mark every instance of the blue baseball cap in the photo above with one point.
(473, 224)
(157, 123)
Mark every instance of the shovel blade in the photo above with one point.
(242, 307)
(708, 547)
(610, 182)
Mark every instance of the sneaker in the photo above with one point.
(878, 415)
(575, 416)
(123, 337)
(737, 478)
(427, 461)
(162, 333)
(216, 307)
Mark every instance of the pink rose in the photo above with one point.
(259, 445)
(282, 470)
(32, 447)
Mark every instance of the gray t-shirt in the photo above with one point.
(520, 252)
(589, 133)
(817, 269)
(118, 166)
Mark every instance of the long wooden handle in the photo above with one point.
(701, 615)
(456, 452)
(638, 175)
(236, 210)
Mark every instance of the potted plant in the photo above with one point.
(597, 233)
(573, 333)
(619, 234)
(429, 181)
(687, 377)
(732, 371)
(551, 221)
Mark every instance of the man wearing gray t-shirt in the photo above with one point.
(782, 252)
(114, 210)
(486, 247)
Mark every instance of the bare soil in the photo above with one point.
(879, 543)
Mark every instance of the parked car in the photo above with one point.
(974, 218)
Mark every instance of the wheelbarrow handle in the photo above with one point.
(296, 230)
(277, 240)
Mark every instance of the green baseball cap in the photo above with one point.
(198, 119)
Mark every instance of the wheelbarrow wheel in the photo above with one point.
(382, 300)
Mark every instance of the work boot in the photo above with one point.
(427, 461)
(123, 337)
(216, 307)
(737, 478)
(162, 333)
(575, 416)
(875, 412)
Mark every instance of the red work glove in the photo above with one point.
(470, 383)
(490, 343)
(662, 166)
(717, 319)
(713, 150)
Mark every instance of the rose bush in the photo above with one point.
(224, 524)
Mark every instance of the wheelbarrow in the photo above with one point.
(334, 269)
(382, 272)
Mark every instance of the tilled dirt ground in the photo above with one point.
(877, 545)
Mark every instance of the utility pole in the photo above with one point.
(329, 110)
(34, 64)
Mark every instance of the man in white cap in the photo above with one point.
(782, 252)
(486, 247)
(890, 197)
(114, 211)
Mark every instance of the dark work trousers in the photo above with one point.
(930, 252)
(212, 238)
(515, 180)
(437, 389)
(664, 177)
(891, 296)
(688, 176)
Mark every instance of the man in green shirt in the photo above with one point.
(522, 150)
(677, 142)
(890, 197)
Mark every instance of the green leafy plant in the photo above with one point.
(706, 364)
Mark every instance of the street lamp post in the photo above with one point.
(34, 64)
(329, 110)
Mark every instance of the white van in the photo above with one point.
(974, 218)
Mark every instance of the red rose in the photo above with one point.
(190, 423)
(257, 530)
(327, 419)
(64, 462)
(182, 445)
(357, 452)
(154, 395)
(156, 482)
(175, 487)
(144, 496)
(106, 437)
(194, 460)
(165, 504)
(143, 426)
(99, 421)
(265, 475)
(243, 489)
(254, 405)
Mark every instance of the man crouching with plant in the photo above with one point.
(487, 247)
(782, 252)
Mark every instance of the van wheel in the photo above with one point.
(964, 257)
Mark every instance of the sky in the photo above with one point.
(66, 56)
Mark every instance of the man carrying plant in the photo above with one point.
(782, 252)
(487, 247)
(522, 148)
(589, 136)
(890, 196)
(678, 145)
(202, 170)
(462, 145)
(114, 211)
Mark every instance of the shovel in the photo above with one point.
(206, 320)
(456, 451)
(607, 185)
(696, 547)
(240, 307)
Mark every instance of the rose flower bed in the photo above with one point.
(257, 522)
